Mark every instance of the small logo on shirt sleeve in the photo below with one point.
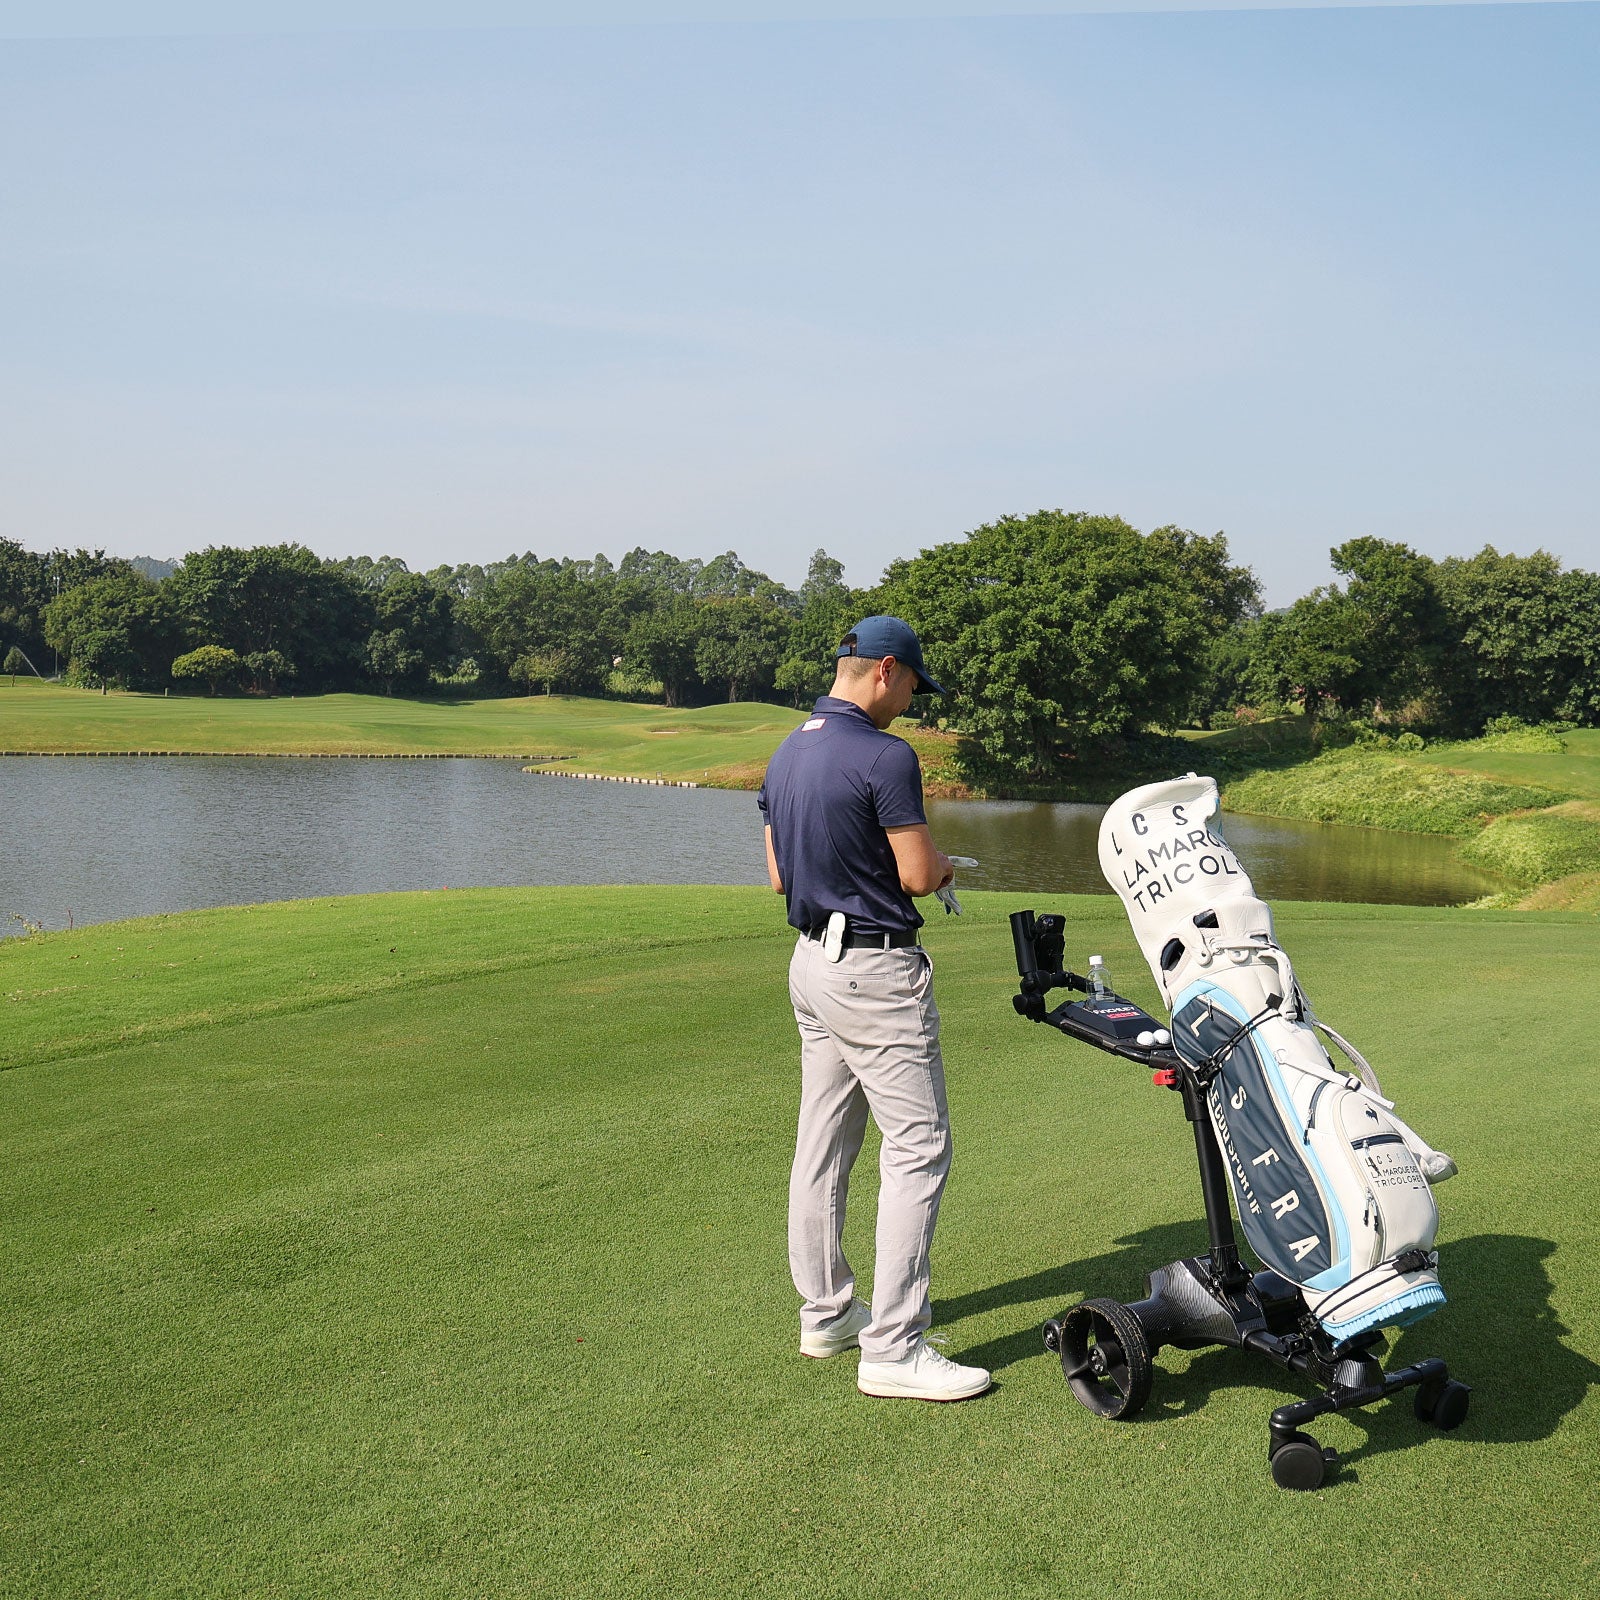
(812, 725)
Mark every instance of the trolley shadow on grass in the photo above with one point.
(1499, 1285)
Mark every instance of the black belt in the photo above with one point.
(853, 940)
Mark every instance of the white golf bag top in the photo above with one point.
(1332, 1188)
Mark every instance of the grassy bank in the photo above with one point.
(1532, 815)
(1373, 789)
(433, 1245)
(726, 745)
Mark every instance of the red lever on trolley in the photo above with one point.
(1165, 1077)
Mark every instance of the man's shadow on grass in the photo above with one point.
(1499, 1333)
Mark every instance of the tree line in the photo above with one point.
(1428, 646)
(1060, 633)
(278, 618)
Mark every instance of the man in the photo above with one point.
(848, 847)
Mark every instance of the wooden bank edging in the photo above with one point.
(373, 755)
(307, 755)
(607, 777)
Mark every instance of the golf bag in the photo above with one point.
(1331, 1187)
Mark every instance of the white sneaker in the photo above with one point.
(843, 1333)
(924, 1374)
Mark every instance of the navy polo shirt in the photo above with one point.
(832, 787)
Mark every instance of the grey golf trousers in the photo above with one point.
(869, 1042)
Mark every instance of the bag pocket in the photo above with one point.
(1398, 1212)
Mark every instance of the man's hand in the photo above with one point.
(921, 866)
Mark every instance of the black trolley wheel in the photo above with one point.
(1105, 1358)
(1299, 1463)
(1051, 1334)
(1443, 1404)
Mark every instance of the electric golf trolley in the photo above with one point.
(1347, 1248)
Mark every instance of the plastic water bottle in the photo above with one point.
(1099, 979)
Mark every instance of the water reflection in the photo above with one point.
(1030, 845)
(96, 839)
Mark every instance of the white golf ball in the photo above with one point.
(1162, 1036)
(1145, 1040)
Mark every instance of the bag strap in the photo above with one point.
(1357, 1060)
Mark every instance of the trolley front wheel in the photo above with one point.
(1300, 1463)
(1444, 1404)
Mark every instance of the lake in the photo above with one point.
(94, 839)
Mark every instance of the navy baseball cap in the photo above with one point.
(876, 637)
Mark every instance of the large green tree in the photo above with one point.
(1580, 609)
(741, 642)
(1381, 642)
(29, 582)
(1061, 628)
(114, 629)
(213, 662)
(279, 598)
(1402, 633)
(538, 612)
(661, 643)
(416, 619)
(1311, 653)
(1521, 648)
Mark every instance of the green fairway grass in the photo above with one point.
(1374, 789)
(1574, 771)
(725, 745)
(432, 1245)
(1529, 814)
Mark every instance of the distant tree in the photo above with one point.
(213, 662)
(1230, 673)
(657, 570)
(113, 628)
(741, 644)
(824, 580)
(661, 644)
(1519, 652)
(1402, 633)
(724, 577)
(266, 668)
(548, 667)
(390, 657)
(276, 597)
(15, 662)
(371, 573)
(30, 582)
(464, 582)
(102, 657)
(1580, 609)
(423, 615)
(66, 569)
(527, 611)
(1311, 653)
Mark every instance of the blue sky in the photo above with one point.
(450, 293)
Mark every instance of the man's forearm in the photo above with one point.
(773, 875)
(921, 865)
